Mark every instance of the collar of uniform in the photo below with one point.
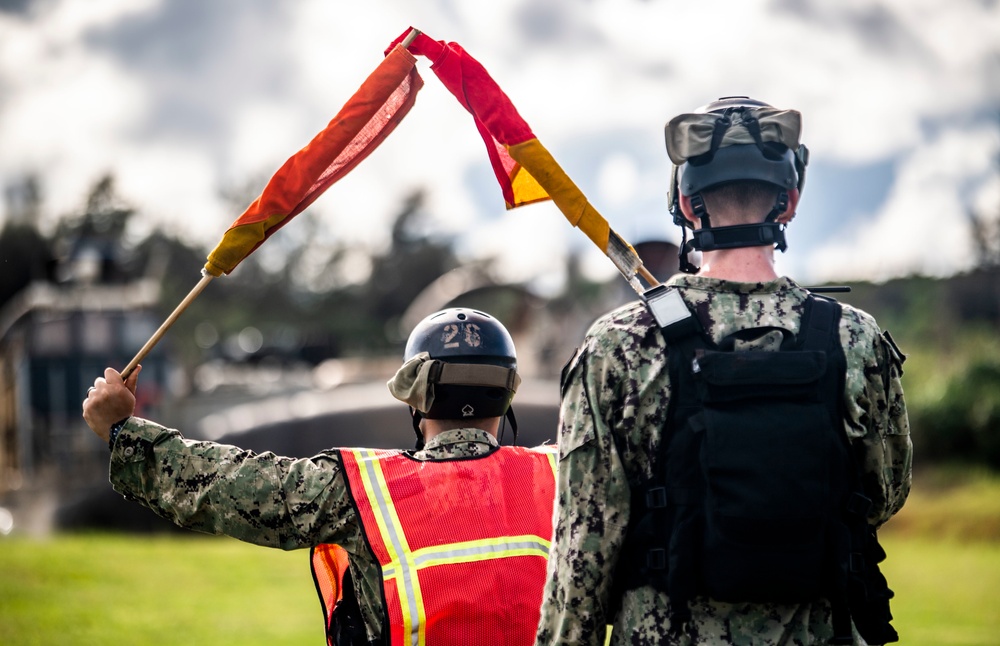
(702, 283)
(458, 435)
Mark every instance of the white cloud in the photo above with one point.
(264, 134)
(177, 188)
(877, 80)
(923, 227)
(67, 112)
(526, 242)
(618, 179)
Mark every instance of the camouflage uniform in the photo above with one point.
(614, 406)
(263, 498)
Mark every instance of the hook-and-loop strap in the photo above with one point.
(469, 374)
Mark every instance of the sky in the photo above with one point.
(186, 101)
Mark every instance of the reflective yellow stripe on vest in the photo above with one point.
(404, 563)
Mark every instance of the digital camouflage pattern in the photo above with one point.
(615, 393)
(264, 499)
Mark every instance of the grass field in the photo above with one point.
(944, 564)
(944, 559)
(119, 589)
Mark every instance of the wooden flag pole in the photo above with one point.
(153, 340)
(648, 277)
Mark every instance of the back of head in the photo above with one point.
(740, 202)
(735, 158)
(459, 364)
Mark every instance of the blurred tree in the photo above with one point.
(176, 266)
(349, 299)
(964, 423)
(25, 254)
(985, 237)
(413, 261)
(311, 298)
(90, 246)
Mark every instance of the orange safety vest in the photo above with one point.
(462, 544)
(331, 576)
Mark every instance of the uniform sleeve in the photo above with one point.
(592, 504)
(896, 447)
(220, 489)
(879, 426)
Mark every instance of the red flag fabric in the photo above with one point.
(495, 116)
(362, 124)
(526, 171)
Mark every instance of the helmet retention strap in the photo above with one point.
(698, 206)
(686, 247)
(708, 238)
(415, 417)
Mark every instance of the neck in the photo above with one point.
(744, 264)
(434, 427)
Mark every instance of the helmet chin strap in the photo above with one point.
(708, 238)
(508, 416)
(415, 417)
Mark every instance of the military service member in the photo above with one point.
(395, 535)
(729, 445)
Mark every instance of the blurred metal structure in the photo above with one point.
(55, 339)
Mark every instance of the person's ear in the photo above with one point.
(685, 203)
(793, 203)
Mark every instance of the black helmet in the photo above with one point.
(474, 371)
(774, 164)
(461, 335)
(733, 139)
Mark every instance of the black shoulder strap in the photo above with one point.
(866, 599)
(660, 497)
(819, 323)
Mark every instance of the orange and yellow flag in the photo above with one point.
(361, 125)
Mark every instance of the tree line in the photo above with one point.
(314, 300)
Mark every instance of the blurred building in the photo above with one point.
(55, 339)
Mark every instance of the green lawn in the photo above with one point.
(947, 592)
(119, 589)
(944, 559)
(944, 565)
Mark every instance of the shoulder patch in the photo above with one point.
(896, 354)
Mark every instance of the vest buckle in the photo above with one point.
(656, 498)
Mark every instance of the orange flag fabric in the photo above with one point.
(526, 171)
(362, 124)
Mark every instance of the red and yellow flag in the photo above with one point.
(361, 125)
(526, 171)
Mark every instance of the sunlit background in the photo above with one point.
(181, 100)
(133, 132)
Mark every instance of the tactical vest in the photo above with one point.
(757, 494)
(462, 544)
